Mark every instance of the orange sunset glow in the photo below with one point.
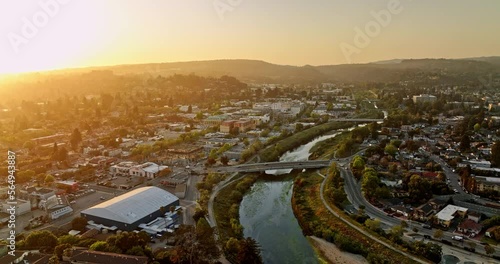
(92, 33)
(249, 131)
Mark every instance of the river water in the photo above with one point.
(266, 215)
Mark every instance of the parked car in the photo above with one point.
(447, 242)
(457, 238)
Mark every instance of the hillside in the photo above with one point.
(255, 71)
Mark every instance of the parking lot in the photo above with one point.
(91, 198)
(91, 194)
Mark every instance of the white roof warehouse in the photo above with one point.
(129, 210)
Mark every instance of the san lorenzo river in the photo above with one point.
(266, 215)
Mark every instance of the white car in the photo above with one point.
(458, 238)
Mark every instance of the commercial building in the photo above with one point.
(215, 120)
(445, 216)
(244, 125)
(56, 206)
(21, 206)
(484, 184)
(149, 170)
(226, 126)
(129, 210)
(424, 98)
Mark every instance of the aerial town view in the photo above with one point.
(263, 131)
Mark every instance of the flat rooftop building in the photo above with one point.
(129, 210)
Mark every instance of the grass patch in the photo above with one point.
(488, 240)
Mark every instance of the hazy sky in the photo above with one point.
(296, 32)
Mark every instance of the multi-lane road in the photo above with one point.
(361, 229)
(355, 196)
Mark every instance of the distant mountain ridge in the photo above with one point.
(258, 71)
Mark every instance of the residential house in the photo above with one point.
(490, 232)
(184, 151)
(405, 211)
(423, 212)
(101, 161)
(474, 216)
(469, 226)
(97, 149)
(320, 110)
(33, 257)
(113, 152)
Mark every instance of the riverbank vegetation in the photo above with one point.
(334, 186)
(273, 152)
(345, 144)
(315, 219)
(327, 148)
(237, 249)
(205, 188)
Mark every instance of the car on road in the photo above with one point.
(457, 238)
(102, 198)
(427, 226)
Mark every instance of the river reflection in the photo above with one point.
(267, 216)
